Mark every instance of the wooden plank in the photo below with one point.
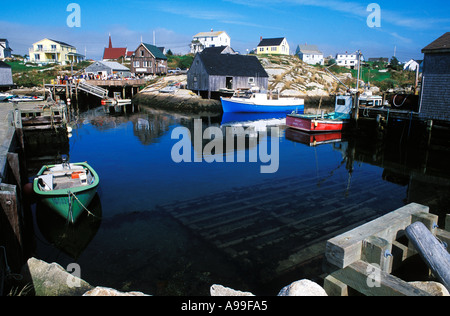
(345, 249)
(431, 250)
(372, 281)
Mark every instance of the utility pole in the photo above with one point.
(356, 116)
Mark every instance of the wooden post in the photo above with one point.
(12, 226)
(19, 128)
(429, 220)
(334, 287)
(377, 251)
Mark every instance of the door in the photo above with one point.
(229, 82)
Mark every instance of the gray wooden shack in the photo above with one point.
(216, 69)
(6, 79)
(108, 68)
(435, 98)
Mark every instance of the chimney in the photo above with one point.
(260, 38)
(212, 30)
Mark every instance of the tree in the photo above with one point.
(395, 63)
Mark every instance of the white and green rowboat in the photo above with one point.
(67, 188)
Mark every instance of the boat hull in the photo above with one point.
(287, 106)
(69, 203)
(315, 124)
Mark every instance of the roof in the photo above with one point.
(271, 41)
(155, 51)
(219, 50)
(441, 45)
(112, 65)
(309, 49)
(61, 43)
(114, 53)
(206, 34)
(4, 65)
(232, 65)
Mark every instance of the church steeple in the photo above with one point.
(110, 42)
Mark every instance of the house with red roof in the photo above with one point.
(113, 53)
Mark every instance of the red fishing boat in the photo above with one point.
(330, 122)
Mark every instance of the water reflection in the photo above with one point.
(175, 229)
(70, 239)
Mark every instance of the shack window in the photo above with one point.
(251, 80)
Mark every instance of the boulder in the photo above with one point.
(50, 279)
(219, 290)
(434, 288)
(105, 291)
(303, 288)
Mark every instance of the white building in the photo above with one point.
(413, 65)
(310, 54)
(5, 50)
(347, 60)
(209, 39)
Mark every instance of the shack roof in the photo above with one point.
(232, 65)
(271, 41)
(441, 45)
(155, 51)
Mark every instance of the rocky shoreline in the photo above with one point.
(50, 279)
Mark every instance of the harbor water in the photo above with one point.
(168, 227)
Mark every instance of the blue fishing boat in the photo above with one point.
(248, 101)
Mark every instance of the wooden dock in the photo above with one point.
(367, 256)
(97, 88)
(16, 121)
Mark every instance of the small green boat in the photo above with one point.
(67, 188)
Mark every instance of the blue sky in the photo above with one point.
(334, 25)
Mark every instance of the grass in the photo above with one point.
(34, 76)
(182, 62)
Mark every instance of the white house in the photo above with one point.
(310, 54)
(413, 65)
(209, 39)
(347, 60)
(5, 50)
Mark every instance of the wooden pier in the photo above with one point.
(97, 88)
(367, 256)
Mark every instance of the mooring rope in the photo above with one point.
(76, 198)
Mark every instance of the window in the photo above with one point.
(261, 49)
(251, 80)
(142, 53)
(136, 64)
(144, 64)
(53, 47)
(37, 56)
(273, 49)
(40, 48)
